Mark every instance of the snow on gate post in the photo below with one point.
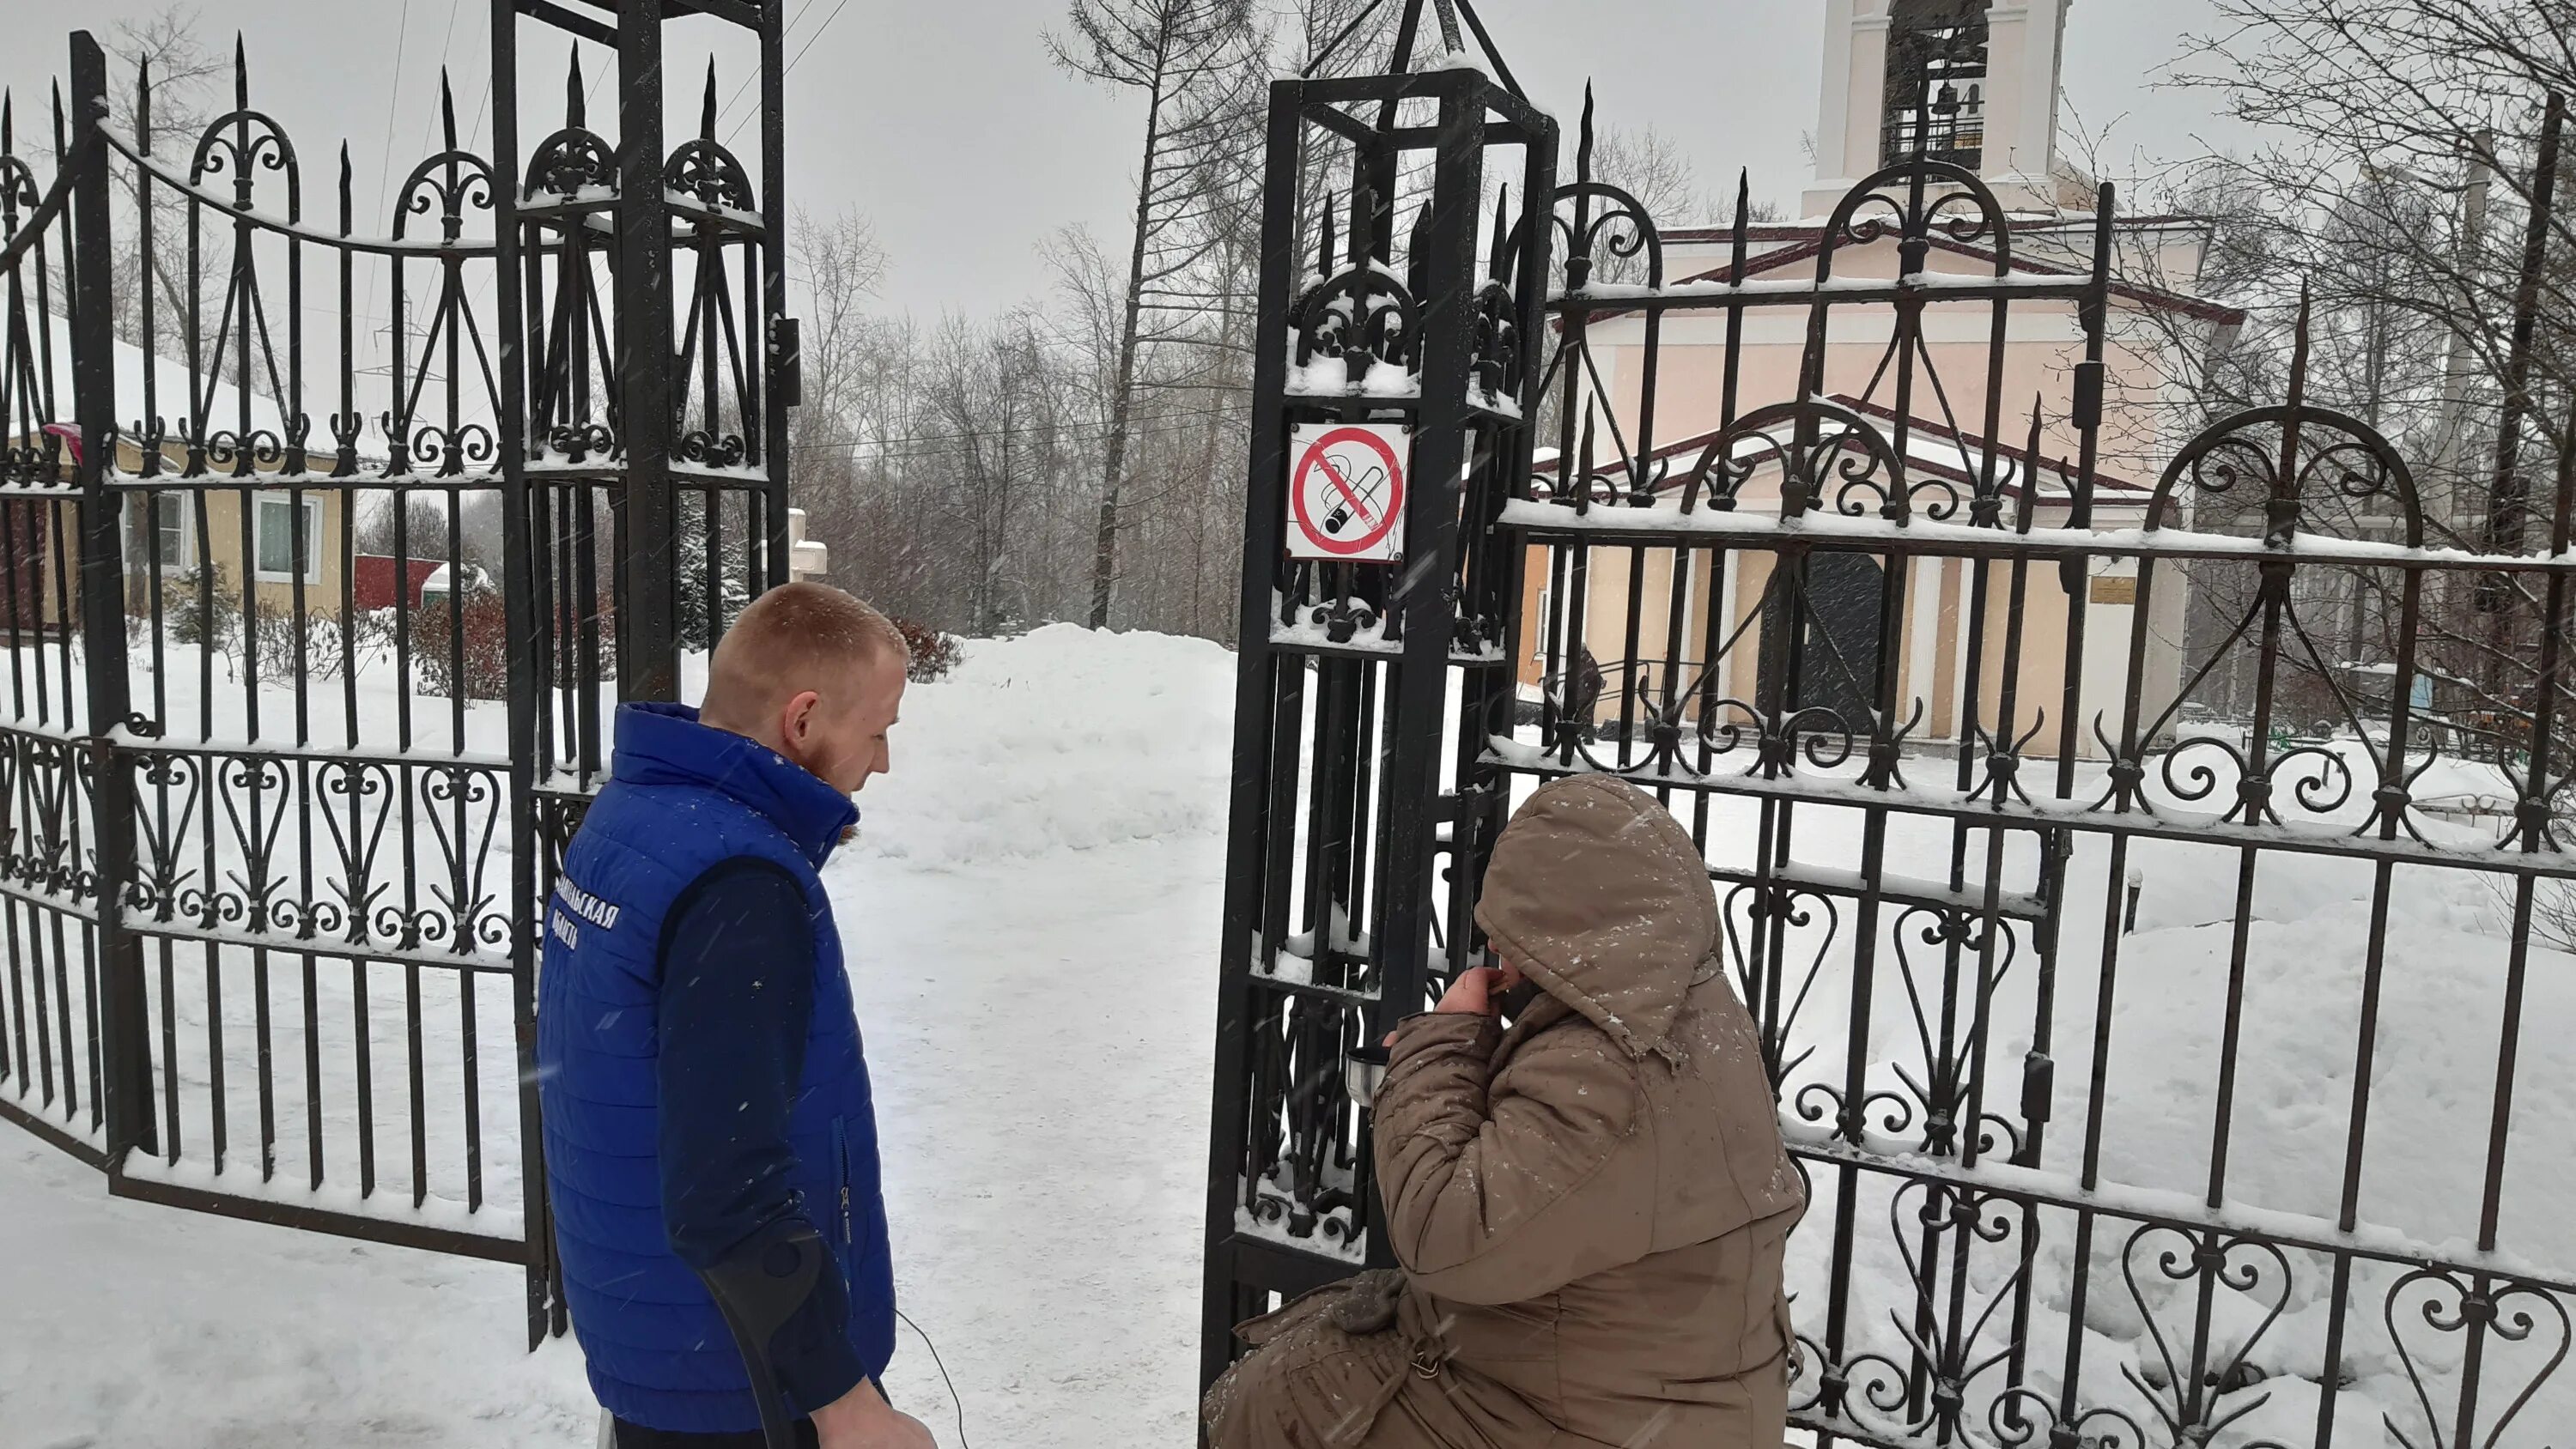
(1341, 917)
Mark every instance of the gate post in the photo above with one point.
(1423, 597)
(648, 656)
(125, 1057)
(527, 685)
(1265, 685)
(782, 364)
(1348, 801)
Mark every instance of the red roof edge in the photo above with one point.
(2198, 308)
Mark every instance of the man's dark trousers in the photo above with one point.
(630, 1436)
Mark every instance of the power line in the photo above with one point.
(791, 64)
(735, 99)
(446, 47)
(393, 102)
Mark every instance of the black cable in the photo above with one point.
(953, 1398)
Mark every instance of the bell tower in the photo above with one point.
(1966, 81)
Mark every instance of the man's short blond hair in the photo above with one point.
(797, 637)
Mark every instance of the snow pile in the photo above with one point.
(2432, 1084)
(1062, 738)
(151, 1328)
(1030, 926)
(1031, 921)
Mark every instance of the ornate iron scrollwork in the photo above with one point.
(1362, 317)
(575, 163)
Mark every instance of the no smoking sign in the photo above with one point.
(1346, 492)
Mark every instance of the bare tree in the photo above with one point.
(1187, 58)
(1649, 167)
(838, 265)
(1363, 32)
(185, 77)
(2393, 205)
(957, 470)
(998, 395)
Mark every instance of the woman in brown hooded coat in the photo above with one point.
(1590, 1207)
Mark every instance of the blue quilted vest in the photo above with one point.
(683, 799)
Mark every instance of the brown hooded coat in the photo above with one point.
(1590, 1208)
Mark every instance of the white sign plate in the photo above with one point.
(1346, 490)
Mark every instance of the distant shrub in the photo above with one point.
(202, 607)
(933, 654)
(313, 645)
(485, 622)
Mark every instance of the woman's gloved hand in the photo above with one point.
(1367, 1303)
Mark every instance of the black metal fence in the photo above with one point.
(2164, 1075)
(330, 540)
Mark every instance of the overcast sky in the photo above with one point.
(946, 126)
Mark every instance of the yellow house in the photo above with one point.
(252, 531)
(258, 529)
(266, 534)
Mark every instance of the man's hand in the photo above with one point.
(864, 1420)
(1472, 994)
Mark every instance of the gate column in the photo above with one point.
(125, 1051)
(1365, 688)
(648, 613)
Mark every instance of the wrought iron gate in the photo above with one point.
(1907, 655)
(333, 532)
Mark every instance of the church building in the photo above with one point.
(1976, 85)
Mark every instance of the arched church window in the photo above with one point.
(1936, 82)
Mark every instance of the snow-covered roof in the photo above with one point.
(441, 580)
(175, 393)
(172, 384)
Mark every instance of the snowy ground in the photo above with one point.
(1032, 912)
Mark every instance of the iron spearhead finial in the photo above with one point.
(1583, 151)
(2299, 345)
(2030, 468)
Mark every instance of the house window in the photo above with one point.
(282, 555)
(1936, 82)
(166, 544)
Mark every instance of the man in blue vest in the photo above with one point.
(710, 1141)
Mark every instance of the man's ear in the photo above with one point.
(796, 718)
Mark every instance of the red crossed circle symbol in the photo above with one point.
(1380, 521)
